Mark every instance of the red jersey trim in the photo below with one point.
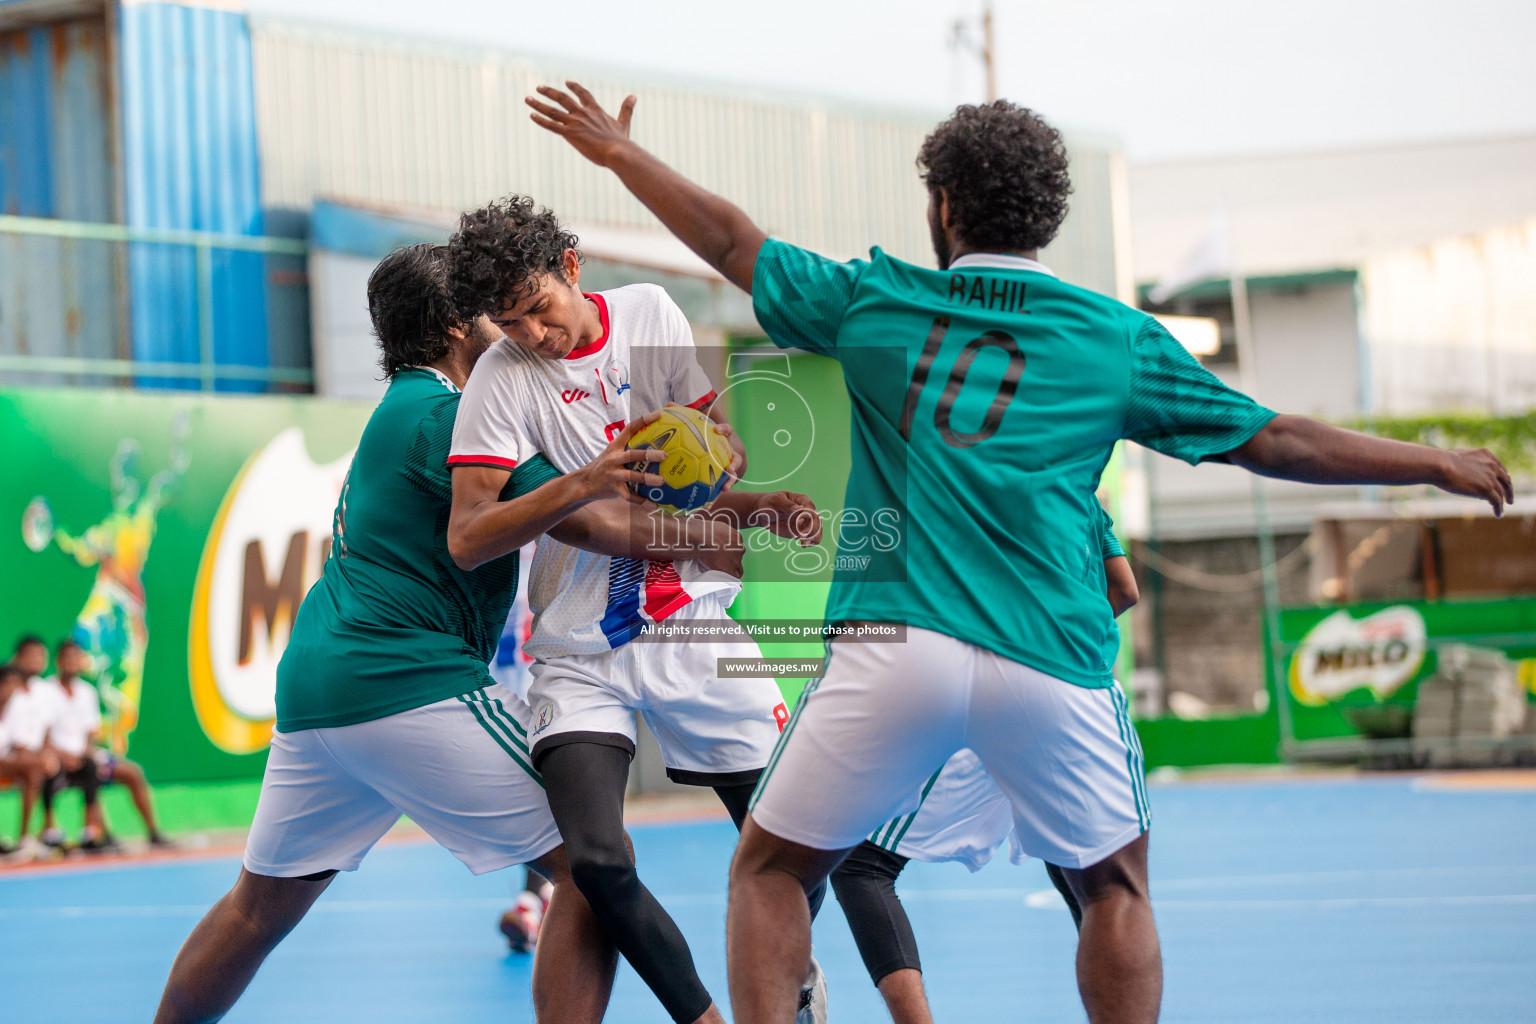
(702, 402)
(494, 461)
(602, 314)
(664, 593)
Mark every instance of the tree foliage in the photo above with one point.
(1511, 438)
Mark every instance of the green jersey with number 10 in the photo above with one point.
(986, 400)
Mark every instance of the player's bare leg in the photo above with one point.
(229, 944)
(768, 923)
(1119, 964)
(904, 997)
(574, 961)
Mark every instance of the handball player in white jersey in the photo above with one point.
(573, 369)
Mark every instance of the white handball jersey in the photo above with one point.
(71, 717)
(511, 663)
(518, 403)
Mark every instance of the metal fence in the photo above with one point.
(89, 304)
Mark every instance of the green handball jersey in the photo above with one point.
(392, 624)
(986, 400)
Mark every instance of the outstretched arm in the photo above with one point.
(625, 530)
(718, 230)
(482, 527)
(1310, 451)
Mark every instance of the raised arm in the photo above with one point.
(718, 230)
(1310, 451)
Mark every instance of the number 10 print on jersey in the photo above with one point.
(989, 340)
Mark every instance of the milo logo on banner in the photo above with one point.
(1379, 653)
(266, 547)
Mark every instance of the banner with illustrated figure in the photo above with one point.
(174, 538)
(1356, 670)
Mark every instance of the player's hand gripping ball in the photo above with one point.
(694, 470)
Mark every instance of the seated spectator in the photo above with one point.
(73, 710)
(22, 760)
(26, 731)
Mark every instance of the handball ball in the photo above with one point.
(697, 458)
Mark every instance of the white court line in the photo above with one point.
(1050, 899)
(199, 909)
(1330, 876)
(1035, 899)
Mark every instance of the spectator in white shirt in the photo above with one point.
(20, 764)
(73, 733)
(26, 731)
(72, 710)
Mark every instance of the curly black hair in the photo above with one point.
(1004, 170)
(500, 251)
(411, 306)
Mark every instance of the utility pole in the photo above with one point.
(987, 51)
(961, 38)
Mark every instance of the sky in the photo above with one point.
(1170, 79)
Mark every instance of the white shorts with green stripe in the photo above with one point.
(963, 816)
(867, 737)
(459, 768)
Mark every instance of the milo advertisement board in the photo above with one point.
(1356, 670)
(174, 538)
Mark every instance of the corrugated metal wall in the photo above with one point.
(397, 123)
(190, 162)
(58, 297)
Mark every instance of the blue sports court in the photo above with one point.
(1331, 899)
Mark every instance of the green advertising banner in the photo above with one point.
(174, 537)
(1356, 670)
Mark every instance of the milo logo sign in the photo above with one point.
(1379, 653)
(266, 547)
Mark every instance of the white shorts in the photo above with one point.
(459, 768)
(963, 815)
(712, 731)
(867, 737)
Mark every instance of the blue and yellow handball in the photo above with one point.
(694, 471)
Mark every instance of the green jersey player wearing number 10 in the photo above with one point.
(986, 399)
(385, 705)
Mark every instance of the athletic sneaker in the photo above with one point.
(53, 838)
(104, 843)
(521, 924)
(159, 841)
(27, 849)
(813, 997)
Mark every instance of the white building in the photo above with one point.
(1388, 281)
